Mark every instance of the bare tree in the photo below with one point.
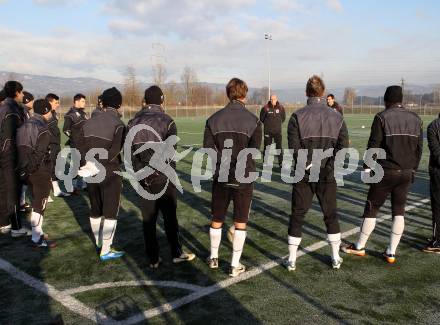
(259, 96)
(131, 94)
(188, 78)
(349, 96)
(159, 74)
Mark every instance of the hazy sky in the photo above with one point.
(349, 42)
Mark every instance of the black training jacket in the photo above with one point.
(55, 137)
(107, 131)
(338, 108)
(233, 122)
(33, 146)
(163, 125)
(400, 133)
(433, 135)
(272, 117)
(11, 118)
(315, 126)
(73, 124)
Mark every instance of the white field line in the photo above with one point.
(244, 276)
(65, 299)
(169, 284)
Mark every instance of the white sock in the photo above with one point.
(237, 246)
(95, 224)
(367, 228)
(108, 232)
(37, 226)
(23, 195)
(396, 233)
(293, 247)
(215, 235)
(56, 188)
(335, 244)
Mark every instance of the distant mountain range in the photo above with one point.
(40, 85)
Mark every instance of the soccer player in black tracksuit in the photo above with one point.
(153, 116)
(12, 116)
(233, 128)
(73, 123)
(27, 105)
(107, 131)
(433, 136)
(334, 105)
(35, 166)
(316, 127)
(399, 132)
(55, 141)
(272, 115)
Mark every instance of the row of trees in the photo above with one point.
(190, 92)
(351, 98)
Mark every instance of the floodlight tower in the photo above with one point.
(268, 37)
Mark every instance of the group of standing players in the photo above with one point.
(30, 143)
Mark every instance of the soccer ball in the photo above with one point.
(363, 126)
(230, 233)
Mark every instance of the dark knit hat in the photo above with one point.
(2, 95)
(42, 107)
(111, 98)
(154, 95)
(393, 95)
(27, 97)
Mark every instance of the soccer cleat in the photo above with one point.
(155, 266)
(390, 258)
(351, 249)
(290, 265)
(337, 264)
(5, 229)
(184, 257)
(21, 232)
(237, 270)
(111, 255)
(212, 263)
(432, 247)
(62, 194)
(44, 242)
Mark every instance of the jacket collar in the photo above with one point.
(38, 118)
(112, 111)
(398, 106)
(316, 100)
(152, 108)
(236, 104)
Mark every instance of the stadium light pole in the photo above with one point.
(268, 37)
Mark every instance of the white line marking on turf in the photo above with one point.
(244, 276)
(169, 284)
(64, 299)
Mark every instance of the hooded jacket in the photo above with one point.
(33, 146)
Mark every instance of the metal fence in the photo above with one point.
(206, 111)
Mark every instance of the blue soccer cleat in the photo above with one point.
(112, 255)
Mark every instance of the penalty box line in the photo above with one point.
(167, 307)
